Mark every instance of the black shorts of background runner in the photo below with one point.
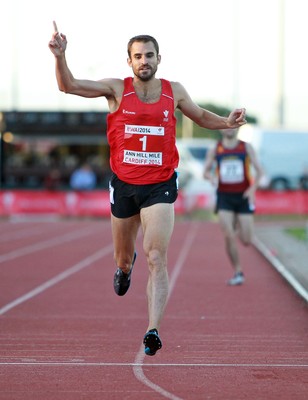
(234, 202)
(127, 200)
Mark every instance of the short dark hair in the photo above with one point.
(143, 39)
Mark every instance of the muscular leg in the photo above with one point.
(226, 220)
(124, 233)
(157, 224)
(245, 228)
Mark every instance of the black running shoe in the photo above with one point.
(152, 342)
(121, 281)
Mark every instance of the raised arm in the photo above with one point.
(109, 88)
(205, 118)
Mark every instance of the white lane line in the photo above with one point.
(104, 364)
(58, 278)
(137, 366)
(278, 265)
(25, 230)
(21, 233)
(68, 237)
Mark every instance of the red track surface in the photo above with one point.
(65, 335)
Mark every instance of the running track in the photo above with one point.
(65, 335)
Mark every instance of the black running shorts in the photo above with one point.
(234, 202)
(127, 200)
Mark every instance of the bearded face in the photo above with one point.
(144, 60)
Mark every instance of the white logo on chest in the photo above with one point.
(166, 113)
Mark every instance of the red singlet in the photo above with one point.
(233, 168)
(142, 137)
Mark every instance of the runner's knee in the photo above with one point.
(246, 241)
(155, 259)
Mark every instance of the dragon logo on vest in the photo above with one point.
(166, 113)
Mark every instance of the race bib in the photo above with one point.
(231, 171)
(143, 145)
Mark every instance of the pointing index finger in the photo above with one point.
(55, 26)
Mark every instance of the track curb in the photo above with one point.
(280, 267)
